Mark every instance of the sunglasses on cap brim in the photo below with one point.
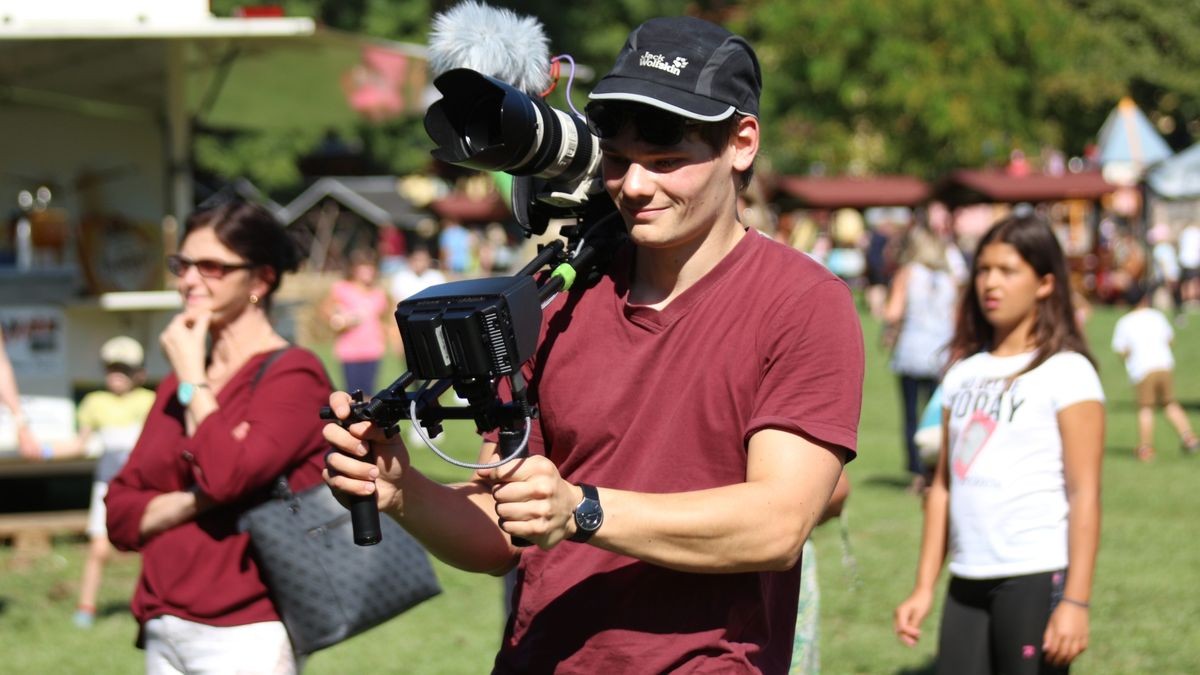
(656, 127)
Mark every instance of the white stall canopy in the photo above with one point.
(98, 100)
(1177, 177)
(111, 88)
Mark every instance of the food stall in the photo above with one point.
(825, 216)
(97, 106)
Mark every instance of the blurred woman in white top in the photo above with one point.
(920, 314)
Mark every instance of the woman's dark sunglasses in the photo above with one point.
(209, 269)
(654, 126)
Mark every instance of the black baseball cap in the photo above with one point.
(686, 66)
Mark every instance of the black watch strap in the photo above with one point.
(589, 516)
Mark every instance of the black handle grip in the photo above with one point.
(364, 518)
(510, 440)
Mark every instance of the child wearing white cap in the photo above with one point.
(113, 415)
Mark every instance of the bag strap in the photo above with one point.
(281, 489)
(262, 370)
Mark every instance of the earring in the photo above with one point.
(253, 299)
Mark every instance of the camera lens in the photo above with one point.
(484, 123)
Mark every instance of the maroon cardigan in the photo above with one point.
(202, 570)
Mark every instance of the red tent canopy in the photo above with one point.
(974, 187)
(860, 193)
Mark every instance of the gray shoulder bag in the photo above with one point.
(324, 586)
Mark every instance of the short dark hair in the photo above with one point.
(1137, 292)
(717, 135)
(250, 231)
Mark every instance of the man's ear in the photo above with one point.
(745, 143)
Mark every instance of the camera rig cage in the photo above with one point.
(473, 334)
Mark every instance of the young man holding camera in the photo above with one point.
(697, 404)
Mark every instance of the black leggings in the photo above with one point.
(997, 625)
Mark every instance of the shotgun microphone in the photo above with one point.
(492, 68)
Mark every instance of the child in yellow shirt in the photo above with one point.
(115, 416)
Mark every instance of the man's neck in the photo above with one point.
(662, 274)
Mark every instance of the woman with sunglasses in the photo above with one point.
(235, 413)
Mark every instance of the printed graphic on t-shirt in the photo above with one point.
(974, 436)
(981, 405)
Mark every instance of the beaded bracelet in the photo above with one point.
(1077, 603)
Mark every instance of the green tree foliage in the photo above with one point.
(270, 158)
(858, 86)
(915, 86)
(1153, 50)
(923, 86)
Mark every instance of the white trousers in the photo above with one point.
(97, 513)
(175, 646)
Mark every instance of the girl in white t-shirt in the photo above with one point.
(1015, 500)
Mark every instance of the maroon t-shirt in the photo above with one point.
(666, 401)
(202, 570)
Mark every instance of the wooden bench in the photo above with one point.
(31, 533)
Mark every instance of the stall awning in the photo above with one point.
(376, 199)
(238, 73)
(846, 192)
(160, 68)
(995, 187)
(1177, 177)
(1128, 136)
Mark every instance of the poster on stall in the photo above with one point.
(35, 340)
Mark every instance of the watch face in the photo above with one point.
(589, 516)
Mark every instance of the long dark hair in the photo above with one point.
(250, 231)
(1055, 329)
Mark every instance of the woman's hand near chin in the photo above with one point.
(183, 343)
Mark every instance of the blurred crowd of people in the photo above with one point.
(913, 276)
(911, 269)
(698, 564)
(359, 308)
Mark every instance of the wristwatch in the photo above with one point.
(186, 391)
(589, 515)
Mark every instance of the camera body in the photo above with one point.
(484, 123)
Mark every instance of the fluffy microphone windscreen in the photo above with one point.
(493, 41)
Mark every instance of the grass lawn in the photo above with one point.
(1145, 608)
